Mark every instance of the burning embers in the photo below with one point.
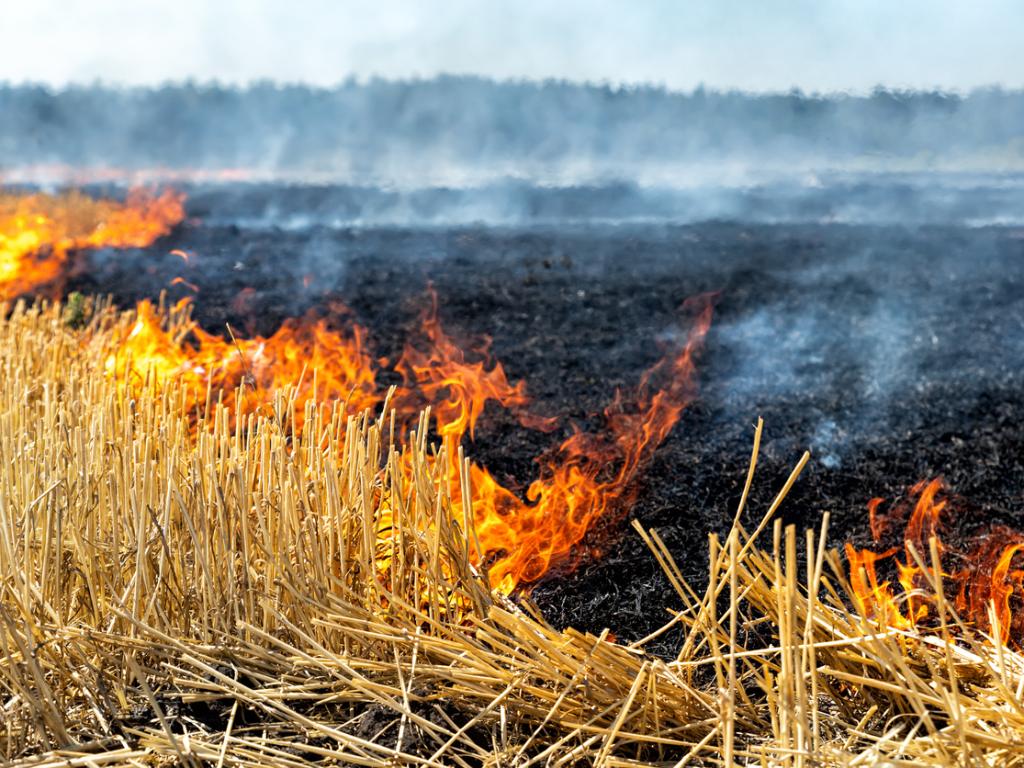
(313, 359)
(39, 232)
(985, 578)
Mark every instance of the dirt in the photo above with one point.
(891, 353)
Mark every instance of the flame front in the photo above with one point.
(518, 538)
(987, 587)
(588, 477)
(39, 232)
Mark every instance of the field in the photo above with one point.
(891, 353)
(291, 578)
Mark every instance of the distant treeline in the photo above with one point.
(383, 127)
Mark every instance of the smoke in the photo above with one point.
(907, 200)
(884, 326)
(462, 151)
(463, 131)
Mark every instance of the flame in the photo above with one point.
(149, 349)
(457, 389)
(518, 538)
(986, 582)
(586, 478)
(873, 598)
(304, 356)
(39, 232)
(589, 477)
(992, 583)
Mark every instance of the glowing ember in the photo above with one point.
(183, 282)
(38, 232)
(986, 582)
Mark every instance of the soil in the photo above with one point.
(891, 353)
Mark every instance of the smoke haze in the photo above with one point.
(463, 129)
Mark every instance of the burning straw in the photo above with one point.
(279, 591)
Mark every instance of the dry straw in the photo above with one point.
(243, 593)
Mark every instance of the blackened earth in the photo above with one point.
(891, 353)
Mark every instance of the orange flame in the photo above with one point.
(39, 232)
(458, 390)
(587, 478)
(993, 583)
(304, 355)
(987, 582)
(874, 598)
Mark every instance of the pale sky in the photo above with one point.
(816, 45)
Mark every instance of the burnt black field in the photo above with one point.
(888, 341)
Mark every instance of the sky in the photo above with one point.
(814, 45)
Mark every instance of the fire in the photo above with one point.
(456, 388)
(39, 232)
(519, 537)
(153, 348)
(304, 356)
(986, 583)
(587, 478)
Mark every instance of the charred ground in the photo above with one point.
(892, 353)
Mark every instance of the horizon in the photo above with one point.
(617, 87)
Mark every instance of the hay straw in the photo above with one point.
(251, 594)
